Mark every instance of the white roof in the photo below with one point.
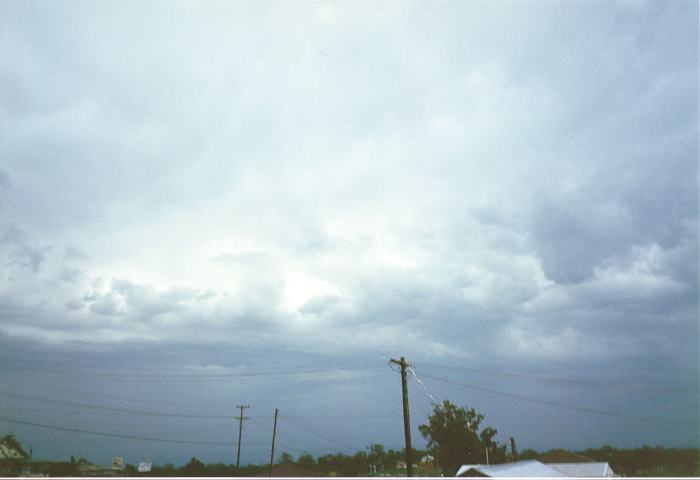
(525, 468)
(8, 452)
(588, 469)
(533, 468)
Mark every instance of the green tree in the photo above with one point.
(306, 460)
(528, 454)
(194, 468)
(286, 459)
(454, 438)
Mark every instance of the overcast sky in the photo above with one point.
(297, 192)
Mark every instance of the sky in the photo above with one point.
(210, 204)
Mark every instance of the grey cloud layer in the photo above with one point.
(511, 182)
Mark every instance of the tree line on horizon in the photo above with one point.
(645, 461)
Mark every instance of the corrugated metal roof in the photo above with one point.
(9, 452)
(525, 468)
(588, 469)
(533, 468)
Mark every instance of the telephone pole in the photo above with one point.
(406, 419)
(240, 433)
(272, 453)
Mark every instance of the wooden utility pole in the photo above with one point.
(272, 453)
(240, 433)
(406, 418)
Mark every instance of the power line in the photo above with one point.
(265, 429)
(339, 417)
(512, 375)
(113, 435)
(182, 415)
(561, 405)
(433, 401)
(116, 409)
(288, 447)
(136, 437)
(322, 437)
(117, 397)
(345, 435)
(546, 379)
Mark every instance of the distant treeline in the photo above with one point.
(639, 462)
(649, 461)
(374, 461)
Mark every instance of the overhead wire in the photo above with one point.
(340, 417)
(121, 398)
(131, 411)
(559, 405)
(325, 440)
(116, 409)
(113, 435)
(322, 437)
(280, 431)
(433, 401)
(171, 414)
(558, 380)
(293, 418)
(512, 374)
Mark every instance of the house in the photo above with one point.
(533, 468)
(12, 456)
(10, 449)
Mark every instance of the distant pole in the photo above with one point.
(406, 419)
(272, 453)
(240, 433)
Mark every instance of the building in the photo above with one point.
(533, 468)
(12, 456)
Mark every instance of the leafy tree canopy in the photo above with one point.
(306, 460)
(286, 459)
(195, 468)
(454, 438)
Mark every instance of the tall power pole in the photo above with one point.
(272, 453)
(240, 433)
(406, 418)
